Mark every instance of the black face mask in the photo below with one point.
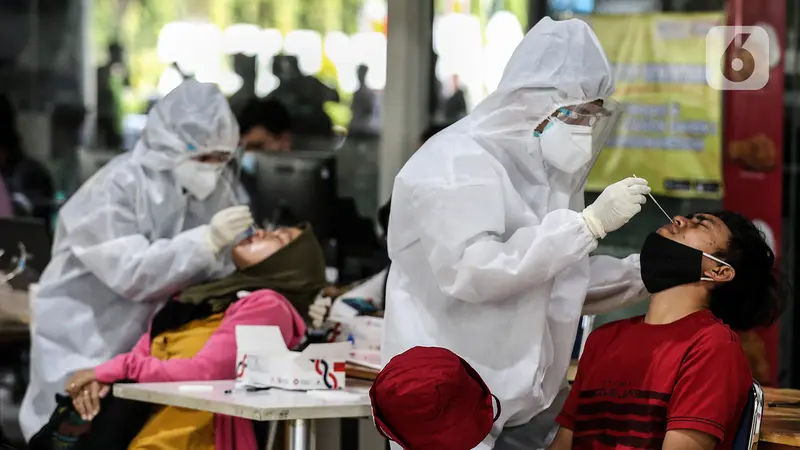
(666, 264)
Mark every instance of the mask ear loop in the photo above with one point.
(717, 260)
(380, 431)
(378, 426)
(497, 414)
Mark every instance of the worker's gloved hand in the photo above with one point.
(318, 311)
(615, 206)
(227, 225)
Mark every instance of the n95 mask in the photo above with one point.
(198, 178)
(566, 147)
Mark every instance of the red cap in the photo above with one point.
(430, 398)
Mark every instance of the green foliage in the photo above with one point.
(101, 34)
(520, 9)
(349, 14)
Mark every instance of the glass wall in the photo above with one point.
(472, 42)
(325, 60)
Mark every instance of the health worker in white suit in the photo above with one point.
(489, 238)
(148, 224)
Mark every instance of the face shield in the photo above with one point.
(573, 135)
(603, 126)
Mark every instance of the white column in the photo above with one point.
(405, 97)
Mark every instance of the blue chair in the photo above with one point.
(750, 426)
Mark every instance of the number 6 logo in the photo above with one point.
(737, 58)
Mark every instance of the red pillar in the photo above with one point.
(754, 120)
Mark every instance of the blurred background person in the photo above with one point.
(265, 126)
(305, 96)
(245, 68)
(149, 223)
(374, 287)
(456, 105)
(112, 77)
(27, 181)
(364, 107)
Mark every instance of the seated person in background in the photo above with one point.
(265, 126)
(677, 378)
(193, 338)
(374, 287)
(27, 181)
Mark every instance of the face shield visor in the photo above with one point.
(603, 125)
(574, 135)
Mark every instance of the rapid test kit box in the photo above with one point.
(262, 360)
(363, 331)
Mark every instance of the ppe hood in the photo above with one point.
(193, 119)
(558, 63)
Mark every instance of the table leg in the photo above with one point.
(299, 434)
(348, 434)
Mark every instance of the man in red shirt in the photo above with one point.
(677, 378)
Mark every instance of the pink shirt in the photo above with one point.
(215, 361)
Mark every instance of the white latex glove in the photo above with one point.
(318, 311)
(615, 206)
(227, 225)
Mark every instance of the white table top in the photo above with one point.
(274, 404)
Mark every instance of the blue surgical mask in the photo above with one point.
(249, 163)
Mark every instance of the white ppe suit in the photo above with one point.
(490, 256)
(129, 237)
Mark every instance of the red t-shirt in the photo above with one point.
(636, 381)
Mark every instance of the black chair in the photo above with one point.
(750, 426)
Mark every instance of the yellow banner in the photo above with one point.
(670, 132)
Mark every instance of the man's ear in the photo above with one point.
(721, 273)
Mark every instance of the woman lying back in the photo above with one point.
(193, 338)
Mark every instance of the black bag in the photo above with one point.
(64, 430)
(118, 422)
